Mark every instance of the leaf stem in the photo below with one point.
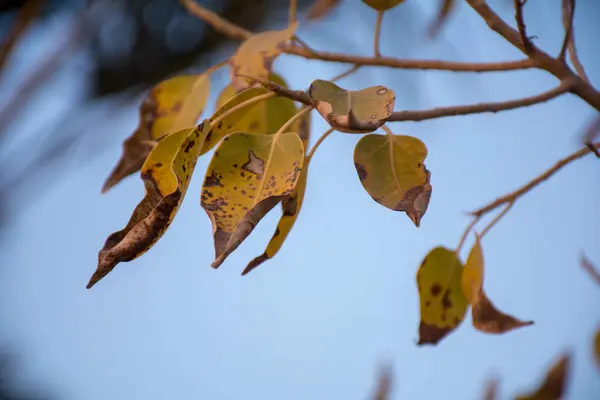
(496, 219)
(298, 115)
(244, 104)
(466, 233)
(317, 144)
(377, 34)
(346, 73)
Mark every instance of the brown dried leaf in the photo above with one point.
(553, 386)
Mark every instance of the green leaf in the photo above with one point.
(265, 117)
(170, 106)
(443, 304)
(247, 176)
(254, 58)
(382, 5)
(166, 174)
(391, 170)
(290, 209)
(347, 111)
(554, 385)
(486, 317)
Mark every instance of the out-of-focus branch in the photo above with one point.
(569, 6)
(26, 14)
(587, 265)
(513, 196)
(236, 32)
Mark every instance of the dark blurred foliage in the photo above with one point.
(130, 44)
(8, 391)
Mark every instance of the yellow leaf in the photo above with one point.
(265, 117)
(254, 58)
(554, 384)
(171, 106)
(166, 174)
(247, 176)
(348, 111)
(486, 317)
(391, 170)
(291, 208)
(442, 302)
(382, 5)
(227, 124)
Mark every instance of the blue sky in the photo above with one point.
(340, 298)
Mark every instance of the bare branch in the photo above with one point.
(513, 196)
(541, 59)
(236, 32)
(478, 108)
(525, 41)
(571, 43)
(377, 34)
(589, 267)
(568, 12)
(441, 17)
(496, 219)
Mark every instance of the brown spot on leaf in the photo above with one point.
(446, 302)
(213, 180)
(254, 164)
(362, 172)
(435, 289)
(177, 106)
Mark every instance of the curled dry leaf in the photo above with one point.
(348, 111)
(291, 206)
(247, 176)
(320, 9)
(166, 174)
(486, 317)
(264, 117)
(254, 58)
(170, 106)
(554, 385)
(442, 302)
(382, 5)
(391, 170)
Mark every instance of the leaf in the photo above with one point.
(553, 386)
(391, 170)
(382, 5)
(486, 317)
(320, 9)
(443, 304)
(226, 125)
(166, 174)
(254, 57)
(170, 106)
(348, 111)
(597, 347)
(290, 209)
(247, 176)
(265, 117)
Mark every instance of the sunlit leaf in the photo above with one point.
(226, 125)
(166, 174)
(554, 385)
(391, 170)
(247, 176)
(265, 117)
(382, 5)
(442, 302)
(347, 111)
(171, 106)
(254, 58)
(486, 317)
(320, 9)
(291, 208)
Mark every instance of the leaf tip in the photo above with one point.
(255, 263)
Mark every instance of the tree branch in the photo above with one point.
(541, 59)
(568, 12)
(571, 43)
(525, 41)
(513, 196)
(236, 32)
(587, 265)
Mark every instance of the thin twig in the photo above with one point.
(318, 143)
(572, 47)
(496, 219)
(478, 108)
(377, 37)
(587, 265)
(345, 73)
(244, 104)
(591, 134)
(525, 42)
(568, 12)
(541, 59)
(511, 197)
(236, 32)
(296, 95)
(466, 233)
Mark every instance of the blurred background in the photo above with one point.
(340, 299)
